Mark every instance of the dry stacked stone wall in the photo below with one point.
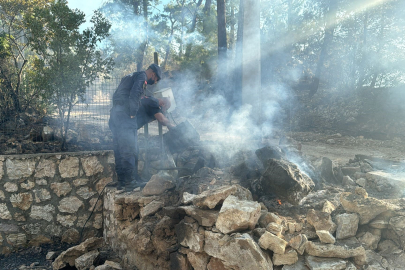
(49, 197)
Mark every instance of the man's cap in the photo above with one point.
(157, 70)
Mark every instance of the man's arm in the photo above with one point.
(163, 120)
(136, 92)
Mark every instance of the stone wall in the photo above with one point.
(49, 197)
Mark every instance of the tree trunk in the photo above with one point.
(236, 99)
(363, 53)
(327, 41)
(222, 71)
(169, 43)
(232, 23)
(192, 29)
(222, 42)
(142, 47)
(207, 13)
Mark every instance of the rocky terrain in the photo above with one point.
(303, 201)
(272, 208)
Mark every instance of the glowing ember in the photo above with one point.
(279, 202)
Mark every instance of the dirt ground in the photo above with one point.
(340, 149)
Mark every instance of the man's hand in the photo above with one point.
(163, 120)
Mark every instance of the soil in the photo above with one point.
(32, 258)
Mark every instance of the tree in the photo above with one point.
(68, 60)
(14, 55)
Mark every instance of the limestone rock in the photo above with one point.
(102, 183)
(387, 246)
(93, 206)
(398, 224)
(237, 251)
(39, 240)
(216, 264)
(326, 237)
(70, 205)
(45, 212)
(69, 256)
(86, 260)
(21, 200)
(288, 258)
(13, 228)
(85, 192)
(143, 240)
(370, 257)
(45, 168)
(210, 198)
(11, 187)
(1, 170)
(367, 208)
(67, 221)
(369, 240)
(206, 218)
(396, 261)
(267, 217)
(17, 169)
(70, 236)
(69, 167)
(361, 192)
(109, 265)
(298, 243)
(61, 189)
(4, 212)
(268, 152)
(315, 263)
(151, 208)
(347, 181)
(198, 260)
(28, 185)
(379, 223)
(51, 255)
(17, 240)
(361, 182)
(347, 225)
(158, 184)
(299, 265)
(190, 236)
(54, 230)
(236, 215)
(41, 195)
(80, 182)
(272, 242)
(91, 165)
(41, 182)
(321, 220)
(344, 250)
(275, 229)
(328, 207)
(179, 261)
(285, 179)
(98, 221)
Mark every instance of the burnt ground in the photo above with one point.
(314, 145)
(32, 258)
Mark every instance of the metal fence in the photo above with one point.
(88, 128)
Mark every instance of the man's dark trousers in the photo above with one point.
(125, 142)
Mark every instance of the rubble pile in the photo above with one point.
(210, 221)
(272, 208)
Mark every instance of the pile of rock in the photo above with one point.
(84, 257)
(225, 229)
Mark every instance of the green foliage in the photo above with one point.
(68, 60)
(13, 54)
